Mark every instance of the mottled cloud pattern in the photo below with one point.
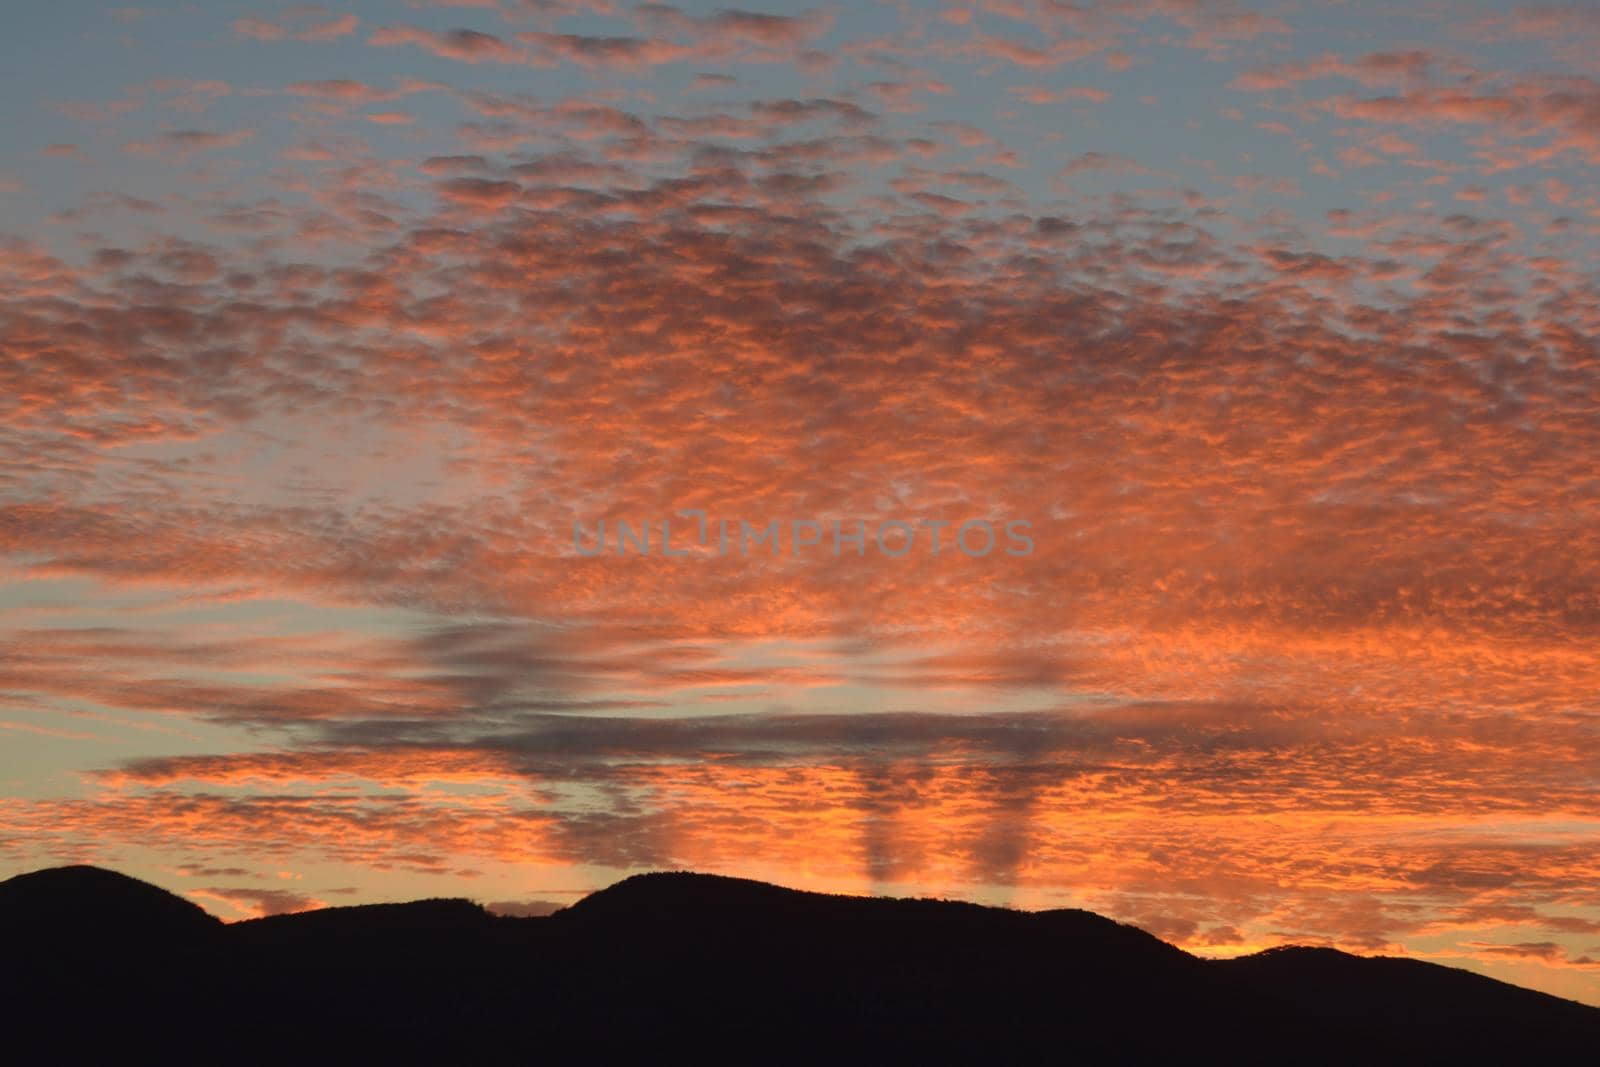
(314, 348)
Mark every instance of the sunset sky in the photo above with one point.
(320, 327)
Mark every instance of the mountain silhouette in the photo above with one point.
(79, 907)
(712, 967)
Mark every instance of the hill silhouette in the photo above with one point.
(702, 965)
(77, 907)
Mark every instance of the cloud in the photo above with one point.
(705, 81)
(289, 471)
(1557, 115)
(605, 51)
(675, 37)
(258, 903)
(305, 23)
(187, 142)
(360, 94)
(1199, 821)
(1043, 95)
(724, 28)
(467, 46)
(1373, 70)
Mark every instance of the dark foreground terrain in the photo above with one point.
(97, 967)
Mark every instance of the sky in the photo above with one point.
(1261, 339)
